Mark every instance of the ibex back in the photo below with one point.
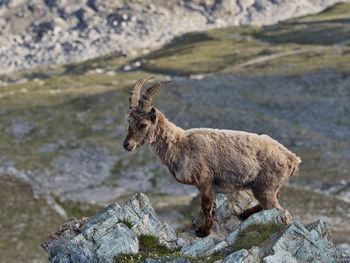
(228, 159)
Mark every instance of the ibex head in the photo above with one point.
(141, 117)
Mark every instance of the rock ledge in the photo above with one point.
(116, 230)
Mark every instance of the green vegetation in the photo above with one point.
(309, 60)
(324, 33)
(337, 11)
(233, 49)
(149, 244)
(255, 235)
(110, 62)
(126, 222)
(277, 49)
(207, 52)
(151, 248)
(326, 28)
(26, 220)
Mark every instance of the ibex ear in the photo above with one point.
(153, 115)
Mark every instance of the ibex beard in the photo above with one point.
(205, 158)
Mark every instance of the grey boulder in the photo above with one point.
(111, 232)
(244, 256)
(298, 243)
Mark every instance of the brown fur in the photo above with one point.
(231, 160)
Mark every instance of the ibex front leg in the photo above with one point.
(207, 203)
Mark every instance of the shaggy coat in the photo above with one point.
(228, 159)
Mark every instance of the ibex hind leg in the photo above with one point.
(248, 212)
(267, 200)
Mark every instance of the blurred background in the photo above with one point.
(280, 68)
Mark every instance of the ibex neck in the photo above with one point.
(168, 140)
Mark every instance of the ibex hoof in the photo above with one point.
(200, 233)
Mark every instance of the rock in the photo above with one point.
(138, 210)
(115, 230)
(267, 216)
(227, 225)
(70, 243)
(298, 243)
(198, 247)
(227, 208)
(244, 256)
(343, 250)
(166, 259)
(19, 128)
(111, 232)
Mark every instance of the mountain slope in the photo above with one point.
(36, 33)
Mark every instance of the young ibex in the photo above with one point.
(231, 160)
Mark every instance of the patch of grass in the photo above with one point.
(134, 258)
(324, 33)
(207, 52)
(125, 222)
(26, 220)
(255, 235)
(108, 62)
(337, 11)
(227, 49)
(312, 60)
(328, 27)
(151, 248)
(130, 258)
(150, 244)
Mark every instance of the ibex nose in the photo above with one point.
(125, 145)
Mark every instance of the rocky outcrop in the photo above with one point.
(116, 230)
(43, 32)
(111, 232)
(298, 243)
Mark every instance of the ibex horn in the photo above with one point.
(135, 92)
(146, 98)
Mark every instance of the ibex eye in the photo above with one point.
(141, 126)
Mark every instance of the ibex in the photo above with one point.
(228, 159)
